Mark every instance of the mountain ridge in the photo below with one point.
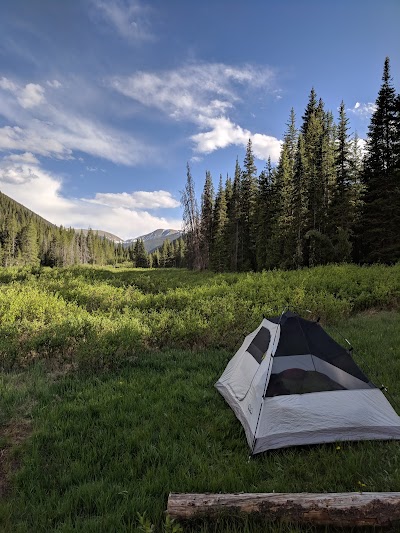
(152, 240)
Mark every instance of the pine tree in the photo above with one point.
(380, 235)
(299, 203)
(206, 223)
(227, 234)
(264, 215)
(9, 238)
(29, 244)
(309, 111)
(285, 217)
(248, 198)
(140, 254)
(233, 229)
(318, 165)
(341, 212)
(218, 251)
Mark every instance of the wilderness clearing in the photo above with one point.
(107, 398)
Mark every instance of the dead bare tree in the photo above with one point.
(191, 224)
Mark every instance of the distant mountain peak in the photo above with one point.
(155, 239)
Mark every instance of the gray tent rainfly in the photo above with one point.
(290, 384)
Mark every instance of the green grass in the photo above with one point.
(98, 317)
(108, 446)
(112, 373)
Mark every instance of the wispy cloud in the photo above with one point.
(41, 191)
(58, 130)
(54, 84)
(130, 18)
(205, 95)
(137, 200)
(364, 110)
(193, 92)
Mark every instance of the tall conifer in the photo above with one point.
(380, 235)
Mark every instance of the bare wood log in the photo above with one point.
(340, 509)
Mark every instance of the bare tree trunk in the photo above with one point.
(191, 224)
(339, 509)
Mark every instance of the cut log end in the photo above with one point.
(338, 509)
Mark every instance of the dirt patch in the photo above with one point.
(11, 437)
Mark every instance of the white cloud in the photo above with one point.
(128, 17)
(8, 85)
(204, 94)
(364, 110)
(41, 191)
(26, 157)
(58, 129)
(137, 199)
(54, 84)
(31, 95)
(224, 133)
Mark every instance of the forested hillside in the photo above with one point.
(327, 200)
(28, 239)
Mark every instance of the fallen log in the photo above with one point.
(339, 509)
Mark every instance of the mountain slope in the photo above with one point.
(155, 239)
(101, 233)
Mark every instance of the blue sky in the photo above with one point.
(102, 102)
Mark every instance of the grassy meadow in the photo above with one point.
(107, 401)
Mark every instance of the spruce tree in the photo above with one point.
(140, 254)
(285, 171)
(233, 227)
(341, 211)
(29, 244)
(9, 238)
(206, 222)
(264, 215)
(299, 203)
(218, 250)
(380, 234)
(248, 198)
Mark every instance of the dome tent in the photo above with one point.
(291, 384)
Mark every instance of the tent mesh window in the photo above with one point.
(259, 345)
(300, 337)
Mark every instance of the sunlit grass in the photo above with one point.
(113, 371)
(106, 447)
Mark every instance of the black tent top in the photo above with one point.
(300, 337)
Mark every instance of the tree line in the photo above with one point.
(326, 200)
(28, 239)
